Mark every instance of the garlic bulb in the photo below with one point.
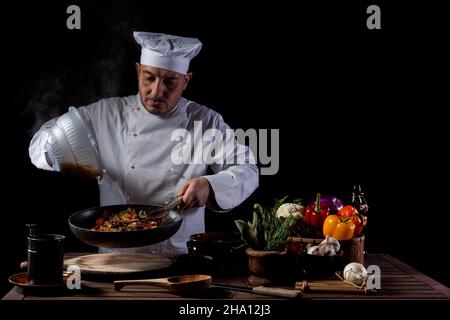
(310, 249)
(328, 247)
(355, 273)
(333, 241)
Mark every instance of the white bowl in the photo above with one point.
(73, 148)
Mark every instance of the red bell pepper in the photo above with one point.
(315, 214)
(357, 218)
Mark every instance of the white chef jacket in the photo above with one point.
(135, 150)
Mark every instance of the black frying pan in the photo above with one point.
(81, 222)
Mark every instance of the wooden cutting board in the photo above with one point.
(113, 264)
(333, 286)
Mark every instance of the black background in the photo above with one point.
(353, 106)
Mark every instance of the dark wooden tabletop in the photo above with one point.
(398, 281)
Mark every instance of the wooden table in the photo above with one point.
(398, 281)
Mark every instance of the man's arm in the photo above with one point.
(234, 172)
(196, 192)
(232, 186)
(236, 175)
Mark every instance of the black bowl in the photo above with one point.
(322, 267)
(215, 244)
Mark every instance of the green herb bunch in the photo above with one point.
(266, 232)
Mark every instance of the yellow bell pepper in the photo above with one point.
(339, 228)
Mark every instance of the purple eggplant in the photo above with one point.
(335, 204)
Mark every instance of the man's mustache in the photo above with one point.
(154, 99)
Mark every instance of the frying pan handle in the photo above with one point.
(119, 284)
(172, 204)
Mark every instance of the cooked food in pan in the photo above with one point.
(125, 220)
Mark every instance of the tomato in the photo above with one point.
(347, 212)
(100, 221)
(151, 224)
(358, 219)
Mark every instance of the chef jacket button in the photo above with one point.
(138, 108)
(134, 134)
(132, 166)
(172, 170)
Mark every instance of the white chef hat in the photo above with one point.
(167, 51)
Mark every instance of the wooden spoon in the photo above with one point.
(195, 283)
(178, 283)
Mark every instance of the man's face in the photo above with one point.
(160, 89)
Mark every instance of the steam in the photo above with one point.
(105, 68)
(46, 101)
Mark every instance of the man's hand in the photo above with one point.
(196, 193)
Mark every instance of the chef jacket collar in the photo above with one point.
(179, 110)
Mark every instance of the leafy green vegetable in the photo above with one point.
(266, 231)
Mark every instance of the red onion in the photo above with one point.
(335, 204)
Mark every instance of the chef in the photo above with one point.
(135, 136)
